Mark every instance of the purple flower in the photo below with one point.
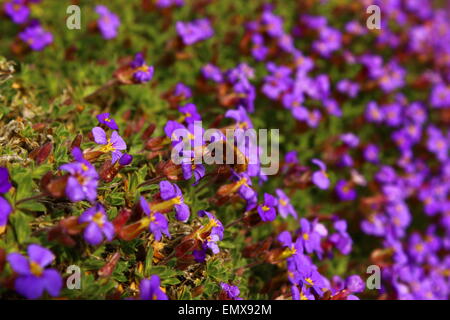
(231, 291)
(355, 284)
(113, 144)
(341, 239)
(245, 191)
(345, 190)
(190, 113)
(309, 237)
(105, 118)
(350, 139)
(83, 180)
(142, 72)
(5, 207)
(259, 51)
(267, 209)
(189, 169)
(195, 31)
(17, 10)
(125, 159)
(320, 178)
(313, 280)
(98, 227)
(172, 195)
(33, 277)
(167, 3)
(440, 96)
(157, 222)
(374, 113)
(182, 91)
(108, 23)
(213, 232)
(212, 72)
(285, 207)
(36, 37)
(371, 153)
(150, 289)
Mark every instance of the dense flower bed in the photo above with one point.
(89, 123)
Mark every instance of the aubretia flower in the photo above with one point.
(190, 113)
(285, 207)
(309, 237)
(267, 209)
(313, 280)
(231, 291)
(189, 169)
(105, 118)
(113, 144)
(173, 197)
(150, 289)
(350, 139)
(125, 159)
(212, 72)
(83, 180)
(371, 153)
(98, 227)
(167, 3)
(5, 207)
(157, 222)
(320, 178)
(440, 96)
(36, 37)
(345, 190)
(142, 72)
(341, 239)
(209, 234)
(195, 31)
(108, 23)
(33, 277)
(182, 91)
(17, 10)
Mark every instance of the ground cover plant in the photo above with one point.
(94, 206)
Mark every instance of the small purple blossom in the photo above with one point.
(150, 289)
(231, 291)
(36, 37)
(267, 209)
(5, 207)
(345, 190)
(173, 193)
(142, 72)
(158, 223)
(108, 23)
(83, 180)
(114, 144)
(98, 227)
(285, 207)
(17, 10)
(105, 118)
(33, 276)
(194, 31)
(320, 178)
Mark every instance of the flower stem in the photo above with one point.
(38, 196)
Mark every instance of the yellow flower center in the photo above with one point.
(309, 281)
(306, 236)
(36, 269)
(265, 208)
(107, 147)
(99, 219)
